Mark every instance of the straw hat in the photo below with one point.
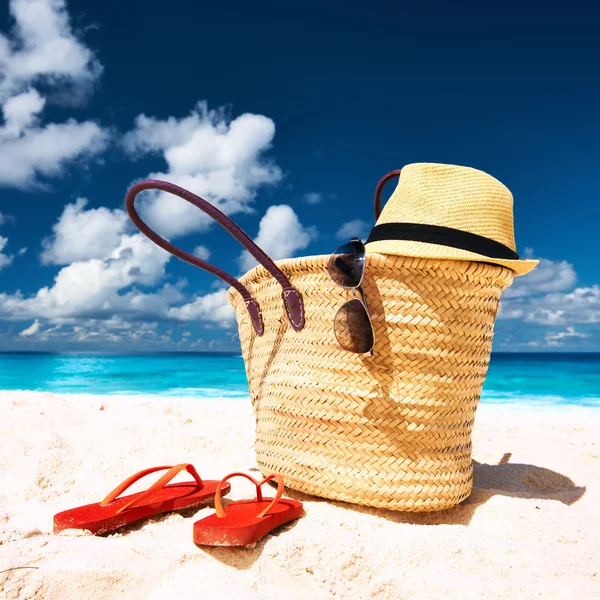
(448, 212)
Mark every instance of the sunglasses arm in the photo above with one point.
(363, 299)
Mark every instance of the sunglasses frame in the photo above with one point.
(362, 298)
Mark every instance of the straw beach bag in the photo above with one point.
(391, 430)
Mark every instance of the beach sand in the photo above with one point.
(531, 528)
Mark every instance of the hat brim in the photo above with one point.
(427, 250)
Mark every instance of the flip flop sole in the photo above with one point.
(241, 527)
(103, 519)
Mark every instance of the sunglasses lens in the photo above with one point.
(353, 329)
(347, 264)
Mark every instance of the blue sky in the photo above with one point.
(286, 117)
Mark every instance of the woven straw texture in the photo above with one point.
(451, 196)
(392, 430)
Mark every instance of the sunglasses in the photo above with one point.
(352, 325)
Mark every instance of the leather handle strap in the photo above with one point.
(259, 496)
(160, 483)
(291, 296)
(379, 188)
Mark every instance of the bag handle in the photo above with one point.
(292, 298)
(379, 189)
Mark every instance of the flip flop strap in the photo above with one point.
(259, 496)
(160, 483)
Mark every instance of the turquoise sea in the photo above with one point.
(542, 379)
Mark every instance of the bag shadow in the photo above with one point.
(513, 480)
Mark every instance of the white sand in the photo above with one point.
(530, 529)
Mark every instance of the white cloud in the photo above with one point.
(5, 259)
(82, 234)
(96, 297)
(507, 312)
(43, 50)
(313, 198)
(280, 235)
(352, 229)
(45, 151)
(548, 276)
(212, 307)
(33, 329)
(95, 331)
(557, 339)
(43, 47)
(541, 297)
(582, 305)
(91, 288)
(114, 329)
(93, 296)
(220, 159)
(20, 112)
(22, 251)
(202, 252)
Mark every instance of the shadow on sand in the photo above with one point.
(505, 479)
(244, 558)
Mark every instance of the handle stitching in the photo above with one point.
(286, 293)
(259, 327)
(256, 304)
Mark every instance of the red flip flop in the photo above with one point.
(244, 522)
(114, 512)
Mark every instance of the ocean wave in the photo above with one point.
(498, 397)
(204, 392)
(199, 393)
